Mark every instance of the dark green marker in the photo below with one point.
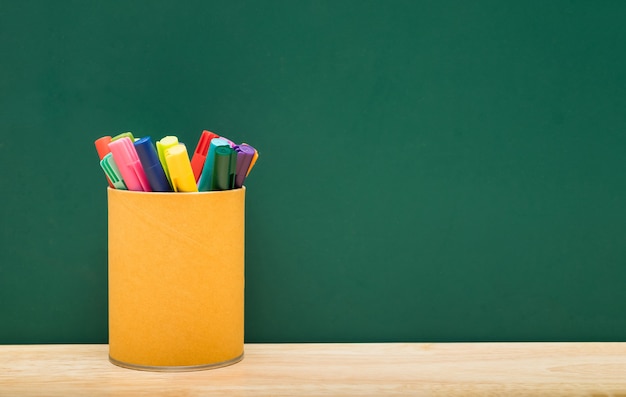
(224, 168)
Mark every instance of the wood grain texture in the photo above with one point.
(447, 369)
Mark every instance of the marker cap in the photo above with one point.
(254, 158)
(245, 153)
(162, 145)
(205, 182)
(102, 147)
(199, 155)
(112, 172)
(124, 135)
(129, 165)
(151, 165)
(223, 177)
(179, 166)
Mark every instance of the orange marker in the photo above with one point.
(102, 147)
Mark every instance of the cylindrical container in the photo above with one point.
(176, 279)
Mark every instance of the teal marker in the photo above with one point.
(206, 177)
(224, 168)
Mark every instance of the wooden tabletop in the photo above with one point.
(416, 369)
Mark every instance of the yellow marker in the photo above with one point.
(162, 145)
(180, 170)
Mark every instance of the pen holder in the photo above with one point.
(176, 279)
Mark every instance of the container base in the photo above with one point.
(176, 368)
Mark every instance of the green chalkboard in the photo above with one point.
(429, 170)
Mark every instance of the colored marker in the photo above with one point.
(245, 153)
(180, 170)
(122, 135)
(102, 147)
(230, 143)
(253, 161)
(199, 155)
(112, 172)
(151, 165)
(162, 145)
(204, 184)
(224, 168)
(127, 161)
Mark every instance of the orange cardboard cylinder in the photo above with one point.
(176, 279)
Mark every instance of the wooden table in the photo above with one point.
(444, 369)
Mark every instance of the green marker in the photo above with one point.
(122, 135)
(162, 145)
(113, 173)
(232, 170)
(224, 168)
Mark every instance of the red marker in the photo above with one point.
(102, 147)
(199, 155)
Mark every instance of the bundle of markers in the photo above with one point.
(137, 164)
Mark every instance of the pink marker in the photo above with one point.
(127, 161)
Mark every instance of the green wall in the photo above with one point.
(429, 170)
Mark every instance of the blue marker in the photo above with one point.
(152, 165)
(206, 178)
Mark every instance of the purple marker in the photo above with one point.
(244, 157)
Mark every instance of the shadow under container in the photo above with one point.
(176, 279)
